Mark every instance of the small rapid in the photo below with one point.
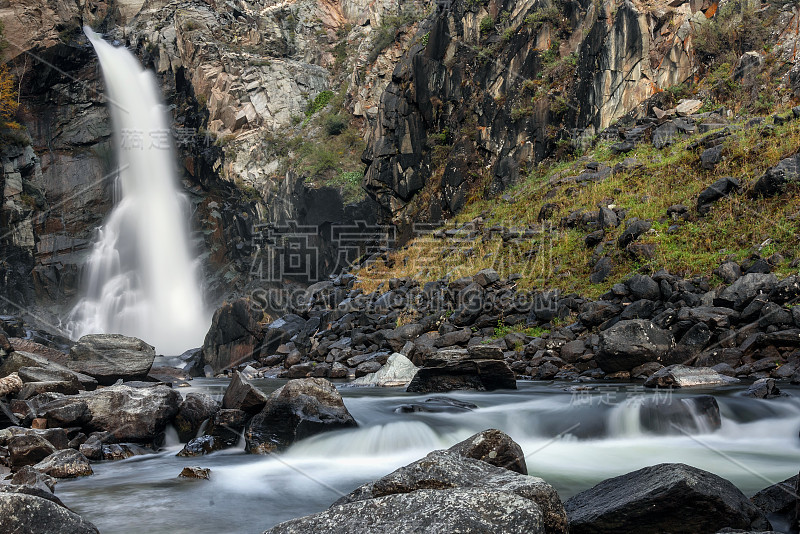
(571, 440)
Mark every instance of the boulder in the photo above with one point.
(719, 189)
(644, 287)
(674, 498)
(779, 499)
(299, 409)
(123, 451)
(745, 289)
(28, 449)
(199, 446)
(234, 335)
(226, 427)
(679, 376)
(463, 373)
(445, 471)
(493, 447)
(777, 178)
(282, 331)
(131, 414)
(30, 514)
(632, 343)
(764, 388)
(111, 357)
(242, 395)
(68, 463)
(192, 412)
(65, 412)
(425, 511)
(632, 232)
(28, 476)
(397, 371)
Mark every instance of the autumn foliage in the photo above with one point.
(8, 94)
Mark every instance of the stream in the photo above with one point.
(571, 438)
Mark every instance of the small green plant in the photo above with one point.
(487, 24)
(319, 102)
(335, 124)
(424, 39)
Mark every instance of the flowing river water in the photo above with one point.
(572, 439)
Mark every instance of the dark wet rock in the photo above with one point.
(764, 388)
(202, 473)
(677, 416)
(493, 447)
(192, 412)
(234, 335)
(68, 463)
(645, 370)
(437, 405)
(299, 409)
(461, 373)
(242, 395)
(745, 289)
(721, 188)
(729, 271)
(227, 427)
(673, 498)
(123, 451)
(629, 344)
(486, 277)
(65, 412)
(28, 449)
(779, 499)
(199, 446)
(111, 357)
(29, 514)
(684, 376)
(131, 414)
(28, 476)
(92, 448)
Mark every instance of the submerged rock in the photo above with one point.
(437, 405)
(203, 473)
(110, 357)
(299, 409)
(674, 498)
(674, 415)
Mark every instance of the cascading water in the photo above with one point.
(140, 278)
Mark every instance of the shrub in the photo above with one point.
(335, 125)
(734, 30)
(487, 24)
(319, 102)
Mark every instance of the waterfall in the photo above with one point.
(140, 278)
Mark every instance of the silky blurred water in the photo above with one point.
(571, 439)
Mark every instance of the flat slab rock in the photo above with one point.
(680, 376)
(674, 498)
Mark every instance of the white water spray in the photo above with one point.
(140, 278)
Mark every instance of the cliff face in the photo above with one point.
(490, 89)
(278, 103)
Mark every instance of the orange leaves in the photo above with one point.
(8, 94)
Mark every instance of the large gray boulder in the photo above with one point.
(632, 343)
(130, 414)
(447, 491)
(111, 357)
(68, 463)
(425, 511)
(242, 395)
(299, 409)
(21, 513)
(674, 498)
